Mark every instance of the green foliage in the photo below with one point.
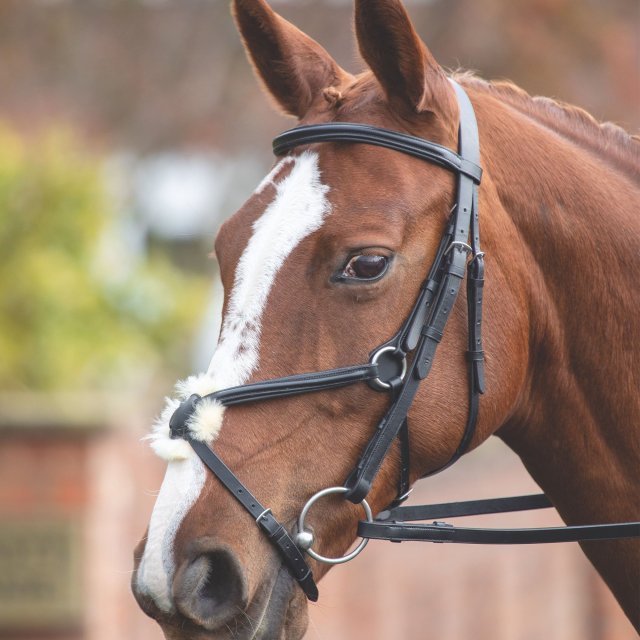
(70, 316)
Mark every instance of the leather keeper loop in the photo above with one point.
(431, 285)
(477, 283)
(432, 333)
(456, 270)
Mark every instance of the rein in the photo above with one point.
(397, 367)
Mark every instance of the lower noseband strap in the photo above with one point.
(275, 532)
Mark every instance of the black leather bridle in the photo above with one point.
(397, 367)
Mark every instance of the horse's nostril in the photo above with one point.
(211, 590)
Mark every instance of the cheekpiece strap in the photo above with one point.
(425, 326)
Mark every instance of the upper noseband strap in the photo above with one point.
(295, 385)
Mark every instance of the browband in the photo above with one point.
(368, 134)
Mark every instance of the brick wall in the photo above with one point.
(43, 497)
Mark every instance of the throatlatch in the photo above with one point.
(397, 367)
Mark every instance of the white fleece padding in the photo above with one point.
(298, 209)
(204, 424)
(206, 421)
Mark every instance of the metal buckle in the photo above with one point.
(463, 246)
(381, 384)
(304, 538)
(264, 513)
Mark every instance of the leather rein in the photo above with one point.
(397, 367)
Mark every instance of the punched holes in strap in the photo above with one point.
(475, 353)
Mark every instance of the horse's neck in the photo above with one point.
(579, 223)
(576, 424)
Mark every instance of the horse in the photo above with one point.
(326, 260)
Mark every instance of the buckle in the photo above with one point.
(462, 246)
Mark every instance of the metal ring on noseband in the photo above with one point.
(304, 538)
(381, 384)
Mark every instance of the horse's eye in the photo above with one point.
(365, 267)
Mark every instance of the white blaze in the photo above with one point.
(298, 209)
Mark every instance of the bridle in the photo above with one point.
(397, 367)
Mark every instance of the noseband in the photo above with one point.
(397, 367)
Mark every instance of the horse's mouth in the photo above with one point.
(284, 613)
(277, 612)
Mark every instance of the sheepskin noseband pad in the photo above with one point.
(178, 424)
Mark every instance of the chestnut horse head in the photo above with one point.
(325, 262)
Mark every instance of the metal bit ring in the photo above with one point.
(304, 538)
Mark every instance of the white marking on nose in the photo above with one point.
(180, 488)
(298, 209)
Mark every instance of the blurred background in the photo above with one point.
(129, 130)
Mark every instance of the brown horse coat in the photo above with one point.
(560, 221)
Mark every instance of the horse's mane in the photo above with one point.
(609, 141)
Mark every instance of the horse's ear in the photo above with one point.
(293, 66)
(400, 60)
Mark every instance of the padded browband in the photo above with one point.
(368, 134)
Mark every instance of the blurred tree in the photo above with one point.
(67, 321)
